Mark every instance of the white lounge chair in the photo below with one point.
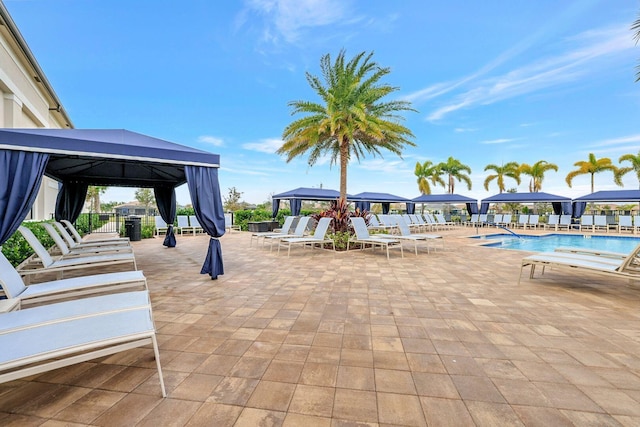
(442, 222)
(286, 229)
(318, 237)
(45, 338)
(564, 222)
(161, 225)
(406, 235)
(59, 266)
(14, 287)
(600, 223)
(624, 223)
(497, 220)
(66, 251)
(506, 220)
(183, 224)
(195, 224)
(228, 223)
(73, 244)
(473, 221)
(78, 238)
(363, 238)
(534, 221)
(523, 220)
(299, 231)
(628, 267)
(552, 222)
(636, 224)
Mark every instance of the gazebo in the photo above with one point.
(561, 204)
(606, 196)
(296, 196)
(364, 200)
(77, 158)
(470, 203)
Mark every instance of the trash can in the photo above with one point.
(133, 228)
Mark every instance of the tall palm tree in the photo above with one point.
(636, 27)
(634, 159)
(536, 171)
(592, 167)
(352, 118)
(455, 171)
(509, 170)
(428, 172)
(93, 196)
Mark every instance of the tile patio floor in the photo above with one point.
(351, 339)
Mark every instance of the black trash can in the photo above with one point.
(133, 228)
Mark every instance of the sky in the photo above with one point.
(491, 82)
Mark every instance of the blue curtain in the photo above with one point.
(275, 207)
(70, 201)
(385, 208)
(20, 177)
(472, 208)
(578, 209)
(205, 197)
(363, 206)
(166, 202)
(411, 208)
(296, 206)
(557, 208)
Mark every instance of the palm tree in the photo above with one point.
(592, 167)
(428, 172)
(351, 120)
(509, 170)
(93, 197)
(536, 172)
(634, 159)
(455, 170)
(636, 27)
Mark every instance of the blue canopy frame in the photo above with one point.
(561, 204)
(81, 157)
(296, 196)
(605, 196)
(364, 200)
(470, 203)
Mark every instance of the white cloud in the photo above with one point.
(381, 165)
(287, 18)
(212, 140)
(461, 130)
(633, 139)
(585, 53)
(268, 145)
(498, 141)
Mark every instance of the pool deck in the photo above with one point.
(354, 339)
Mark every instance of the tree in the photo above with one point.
(93, 197)
(146, 198)
(592, 167)
(351, 120)
(232, 200)
(509, 170)
(428, 172)
(634, 159)
(455, 171)
(536, 172)
(636, 27)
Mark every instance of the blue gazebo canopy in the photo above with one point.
(296, 196)
(561, 204)
(444, 198)
(363, 201)
(611, 196)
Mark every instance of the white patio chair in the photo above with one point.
(318, 238)
(364, 238)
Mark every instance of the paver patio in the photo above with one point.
(346, 339)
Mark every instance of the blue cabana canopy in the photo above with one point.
(363, 201)
(611, 196)
(81, 157)
(297, 195)
(472, 204)
(561, 204)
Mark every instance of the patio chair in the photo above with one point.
(564, 222)
(624, 224)
(374, 224)
(406, 235)
(483, 220)
(441, 221)
(387, 223)
(497, 220)
(161, 225)
(14, 287)
(59, 266)
(84, 250)
(73, 244)
(523, 220)
(363, 238)
(636, 224)
(534, 221)
(78, 238)
(228, 223)
(183, 225)
(552, 222)
(195, 224)
(628, 267)
(318, 238)
(600, 223)
(299, 231)
(506, 220)
(473, 221)
(45, 338)
(286, 228)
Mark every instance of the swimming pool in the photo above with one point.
(549, 242)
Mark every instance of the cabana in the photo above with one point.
(471, 204)
(607, 196)
(297, 195)
(77, 158)
(561, 205)
(364, 200)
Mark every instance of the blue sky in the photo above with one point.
(493, 81)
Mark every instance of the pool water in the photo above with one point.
(549, 242)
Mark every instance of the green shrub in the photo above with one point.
(16, 249)
(148, 231)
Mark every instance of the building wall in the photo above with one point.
(26, 102)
